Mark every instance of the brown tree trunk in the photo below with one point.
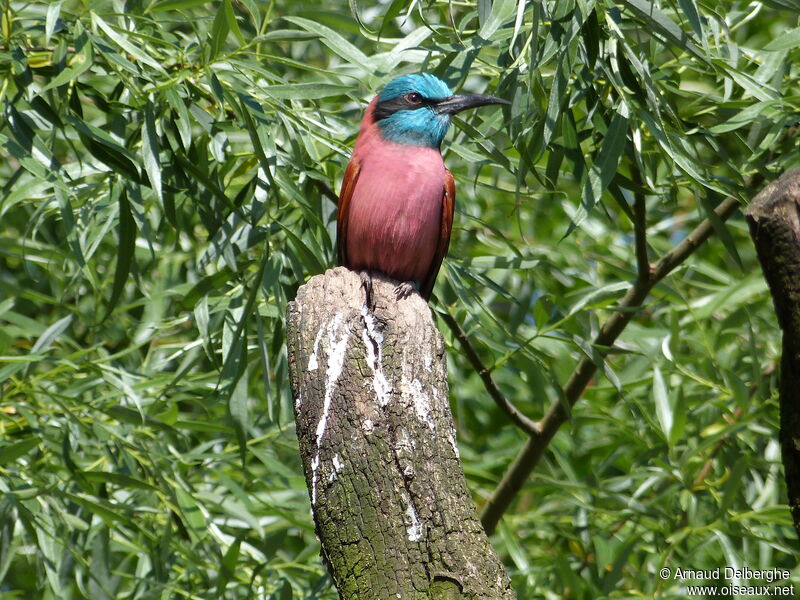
(774, 220)
(378, 447)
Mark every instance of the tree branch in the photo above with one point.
(527, 459)
(517, 417)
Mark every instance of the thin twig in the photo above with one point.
(520, 420)
(527, 459)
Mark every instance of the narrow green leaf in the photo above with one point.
(6, 305)
(110, 151)
(229, 562)
(613, 146)
(286, 591)
(722, 231)
(122, 42)
(108, 514)
(255, 137)
(501, 262)
(134, 417)
(661, 25)
(518, 20)
(305, 91)
(605, 165)
(679, 413)
(391, 13)
(78, 63)
(747, 116)
(175, 4)
(591, 38)
(788, 40)
(230, 16)
(335, 42)
(192, 513)
(663, 407)
(11, 452)
(53, 11)
(596, 356)
(502, 12)
(118, 479)
(219, 33)
(690, 10)
(150, 148)
(731, 555)
(310, 261)
(45, 110)
(125, 250)
(183, 120)
(51, 334)
(557, 99)
(211, 282)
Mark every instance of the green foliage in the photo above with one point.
(168, 180)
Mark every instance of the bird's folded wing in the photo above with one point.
(348, 185)
(448, 210)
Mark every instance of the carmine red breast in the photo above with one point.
(395, 211)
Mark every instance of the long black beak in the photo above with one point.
(455, 104)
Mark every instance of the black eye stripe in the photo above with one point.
(392, 105)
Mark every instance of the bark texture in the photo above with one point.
(774, 220)
(378, 447)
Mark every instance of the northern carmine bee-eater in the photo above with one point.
(397, 201)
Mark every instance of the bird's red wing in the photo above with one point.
(348, 185)
(448, 210)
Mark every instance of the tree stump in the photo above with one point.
(378, 446)
(774, 220)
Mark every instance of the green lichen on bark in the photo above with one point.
(774, 220)
(377, 442)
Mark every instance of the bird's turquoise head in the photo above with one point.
(416, 109)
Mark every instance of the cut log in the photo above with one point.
(378, 446)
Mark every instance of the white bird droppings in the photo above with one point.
(313, 364)
(451, 437)
(314, 466)
(337, 465)
(337, 350)
(373, 339)
(422, 404)
(414, 529)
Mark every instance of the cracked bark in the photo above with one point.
(774, 220)
(377, 442)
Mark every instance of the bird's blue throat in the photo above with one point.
(421, 127)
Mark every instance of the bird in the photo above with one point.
(397, 199)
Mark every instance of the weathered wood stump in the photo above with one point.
(378, 447)
(774, 220)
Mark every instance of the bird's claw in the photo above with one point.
(366, 283)
(403, 290)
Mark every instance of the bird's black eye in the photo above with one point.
(413, 98)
